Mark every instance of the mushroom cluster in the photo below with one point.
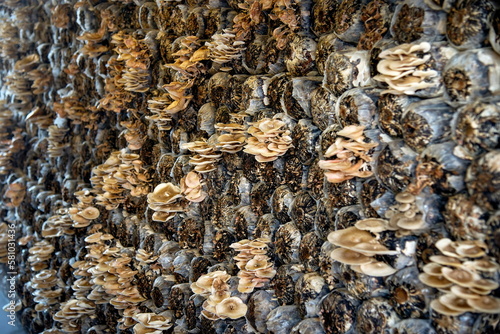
(231, 137)
(122, 174)
(152, 323)
(459, 274)
(269, 140)
(404, 216)
(349, 155)
(134, 134)
(256, 268)
(357, 248)
(163, 108)
(40, 254)
(135, 55)
(219, 303)
(225, 47)
(70, 313)
(56, 141)
(206, 156)
(404, 68)
(190, 57)
(83, 212)
(11, 140)
(4, 240)
(191, 187)
(14, 194)
(57, 225)
(47, 289)
(165, 200)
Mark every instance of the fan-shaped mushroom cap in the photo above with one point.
(372, 248)
(350, 257)
(90, 213)
(349, 237)
(377, 269)
(463, 292)
(434, 281)
(433, 269)
(374, 225)
(486, 304)
(446, 260)
(445, 245)
(258, 262)
(439, 307)
(405, 197)
(459, 276)
(470, 251)
(192, 179)
(232, 307)
(484, 284)
(414, 223)
(455, 303)
(482, 265)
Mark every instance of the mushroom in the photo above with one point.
(89, 213)
(434, 281)
(350, 257)
(349, 237)
(459, 276)
(439, 307)
(455, 303)
(405, 197)
(232, 307)
(377, 269)
(373, 225)
(486, 304)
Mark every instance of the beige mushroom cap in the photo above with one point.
(349, 257)
(434, 281)
(455, 303)
(232, 307)
(439, 307)
(463, 292)
(372, 248)
(377, 269)
(405, 197)
(374, 225)
(433, 269)
(349, 237)
(414, 223)
(445, 245)
(486, 304)
(459, 276)
(89, 213)
(482, 265)
(446, 260)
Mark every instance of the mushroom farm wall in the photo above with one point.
(257, 166)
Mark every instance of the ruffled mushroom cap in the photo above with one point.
(349, 257)
(377, 269)
(258, 262)
(486, 304)
(232, 307)
(164, 193)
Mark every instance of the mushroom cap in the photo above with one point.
(349, 257)
(446, 260)
(373, 248)
(90, 213)
(470, 251)
(232, 307)
(485, 284)
(405, 197)
(374, 225)
(414, 223)
(439, 307)
(460, 276)
(445, 245)
(486, 304)
(462, 292)
(434, 281)
(377, 269)
(433, 269)
(455, 303)
(349, 237)
(485, 265)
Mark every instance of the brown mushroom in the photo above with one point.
(486, 304)
(350, 257)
